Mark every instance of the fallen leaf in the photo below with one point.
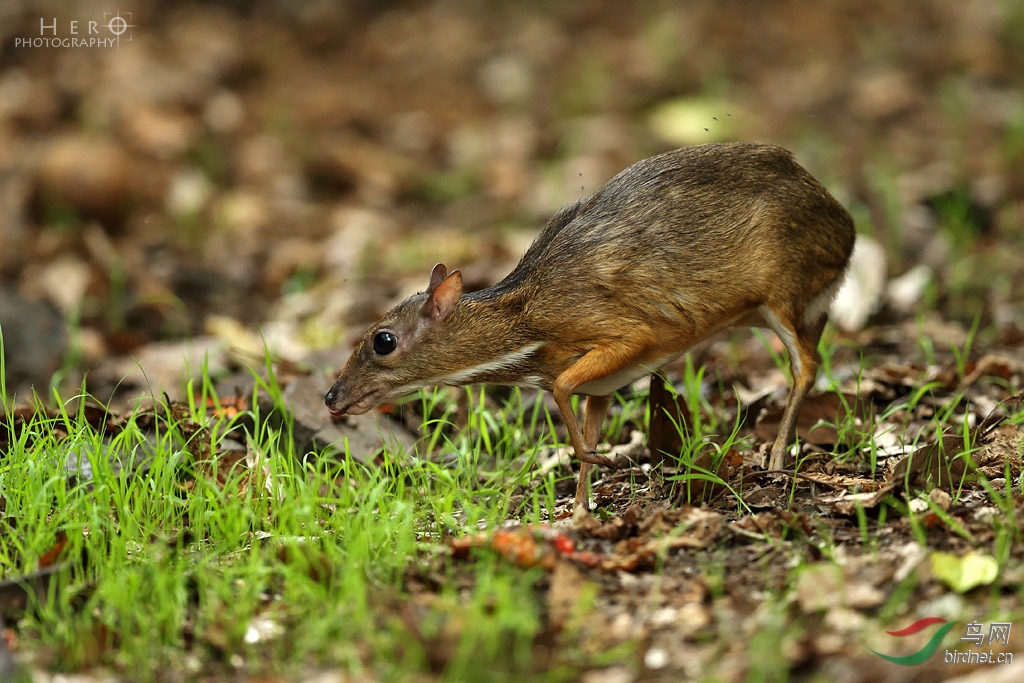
(531, 546)
(962, 573)
(935, 465)
(56, 551)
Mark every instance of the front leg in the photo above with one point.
(597, 408)
(594, 365)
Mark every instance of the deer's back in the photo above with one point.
(697, 231)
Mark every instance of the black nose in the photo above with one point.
(331, 397)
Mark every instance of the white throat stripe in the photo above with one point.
(506, 362)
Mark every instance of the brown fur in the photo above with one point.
(672, 249)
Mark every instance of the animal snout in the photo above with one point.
(332, 395)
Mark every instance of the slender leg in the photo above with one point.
(594, 364)
(802, 345)
(597, 408)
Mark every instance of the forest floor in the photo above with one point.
(196, 225)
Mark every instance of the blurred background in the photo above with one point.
(187, 178)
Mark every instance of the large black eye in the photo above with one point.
(384, 343)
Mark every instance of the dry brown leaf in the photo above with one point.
(771, 523)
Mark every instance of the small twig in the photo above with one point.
(805, 477)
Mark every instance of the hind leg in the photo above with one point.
(801, 340)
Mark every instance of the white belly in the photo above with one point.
(621, 377)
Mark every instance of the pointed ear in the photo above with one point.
(437, 276)
(441, 301)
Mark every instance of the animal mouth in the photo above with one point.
(358, 406)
